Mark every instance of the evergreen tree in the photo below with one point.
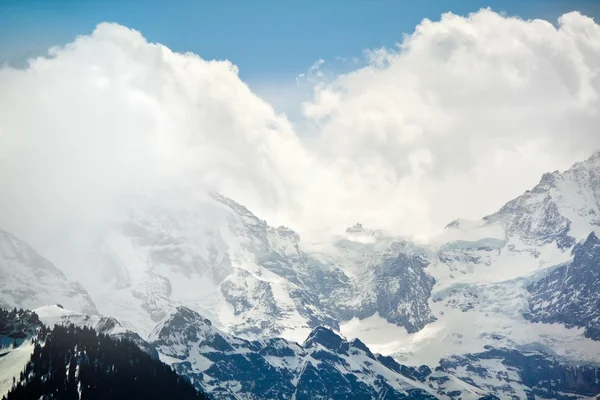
(77, 363)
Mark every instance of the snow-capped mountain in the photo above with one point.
(53, 315)
(524, 276)
(77, 362)
(213, 255)
(570, 294)
(562, 208)
(28, 280)
(327, 366)
(386, 276)
(324, 366)
(499, 373)
(210, 254)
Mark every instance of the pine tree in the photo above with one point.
(74, 359)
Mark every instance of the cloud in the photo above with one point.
(466, 113)
(110, 115)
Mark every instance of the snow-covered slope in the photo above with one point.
(562, 208)
(570, 294)
(515, 279)
(12, 363)
(52, 315)
(518, 277)
(17, 327)
(207, 253)
(76, 362)
(214, 256)
(513, 374)
(384, 276)
(504, 281)
(56, 314)
(327, 366)
(324, 366)
(28, 280)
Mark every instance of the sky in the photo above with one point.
(316, 115)
(270, 41)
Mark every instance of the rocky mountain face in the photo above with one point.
(251, 279)
(513, 374)
(327, 366)
(28, 280)
(524, 276)
(215, 256)
(562, 208)
(324, 366)
(570, 294)
(532, 263)
(386, 276)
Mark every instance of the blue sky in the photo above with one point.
(271, 42)
(268, 40)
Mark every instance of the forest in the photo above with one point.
(77, 363)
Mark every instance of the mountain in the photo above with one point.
(28, 280)
(324, 366)
(519, 279)
(57, 315)
(570, 294)
(499, 373)
(208, 253)
(525, 275)
(562, 208)
(327, 366)
(17, 328)
(72, 362)
(213, 255)
(385, 276)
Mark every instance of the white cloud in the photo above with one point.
(111, 114)
(466, 114)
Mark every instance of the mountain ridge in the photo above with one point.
(484, 284)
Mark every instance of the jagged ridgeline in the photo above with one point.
(77, 363)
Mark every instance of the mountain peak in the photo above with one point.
(358, 344)
(594, 158)
(453, 224)
(179, 321)
(233, 205)
(183, 313)
(28, 279)
(355, 228)
(549, 178)
(325, 337)
(592, 238)
(359, 229)
(589, 246)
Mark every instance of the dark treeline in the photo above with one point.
(18, 324)
(77, 363)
